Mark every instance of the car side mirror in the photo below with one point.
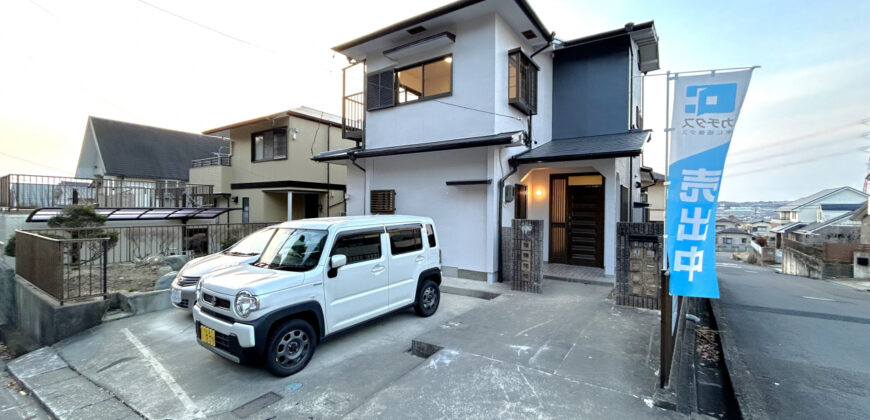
(337, 261)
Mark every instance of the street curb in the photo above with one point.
(749, 398)
(31, 371)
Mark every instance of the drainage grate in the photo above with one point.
(257, 404)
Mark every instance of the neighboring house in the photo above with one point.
(862, 215)
(726, 223)
(732, 240)
(816, 208)
(808, 209)
(655, 193)
(472, 116)
(760, 229)
(268, 171)
(144, 166)
(840, 229)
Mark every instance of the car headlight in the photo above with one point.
(246, 303)
(199, 290)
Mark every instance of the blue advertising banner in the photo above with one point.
(706, 108)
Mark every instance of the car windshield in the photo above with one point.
(252, 244)
(293, 250)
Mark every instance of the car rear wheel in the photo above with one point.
(428, 299)
(290, 347)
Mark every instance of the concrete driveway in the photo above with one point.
(153, 364)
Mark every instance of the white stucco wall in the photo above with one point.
(809, 213)
(460, 212)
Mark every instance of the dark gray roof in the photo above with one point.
(841, 207)
(500, 139)
(624, 144)
(812, 227)
(800, 202)
(733, 231)
(139, 151)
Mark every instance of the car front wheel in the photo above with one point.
(290, 347)
(428, 299)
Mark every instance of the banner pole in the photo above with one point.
(667, 164)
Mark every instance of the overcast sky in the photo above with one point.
(200, 64)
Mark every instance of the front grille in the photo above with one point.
(183, 303)
(214, 314)
(216, 301)
(223, 341)
(188, 281)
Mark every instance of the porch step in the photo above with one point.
(578, 280)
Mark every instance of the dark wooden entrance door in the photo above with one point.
(577, 219)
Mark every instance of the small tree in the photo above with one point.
(761, 241)
(83, 222)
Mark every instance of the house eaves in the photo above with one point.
(812, 198)
(643, 34)
(303, 112)
(447, 9)
(501, 139)
(605, 146)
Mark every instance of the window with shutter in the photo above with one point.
(522, 82)
(383, 201)
(380, 90)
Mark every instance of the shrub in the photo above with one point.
(9, 250)
(761, 241)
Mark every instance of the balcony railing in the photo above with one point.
(34, 191)
(353, 116)
(211, 161)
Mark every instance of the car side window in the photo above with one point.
(405, 239)
(430, 233)
(359, 247)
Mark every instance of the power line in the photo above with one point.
(206, 27)
(32, 162)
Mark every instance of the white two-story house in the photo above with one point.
(473, 114)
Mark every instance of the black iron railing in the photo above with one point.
(353, 116)
(34, 191)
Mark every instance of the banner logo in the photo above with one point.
(712, 99)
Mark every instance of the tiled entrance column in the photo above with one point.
(639, 248)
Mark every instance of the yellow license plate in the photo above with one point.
(206, 334)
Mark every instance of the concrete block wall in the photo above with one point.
(639, 248)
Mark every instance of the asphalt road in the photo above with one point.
(802, 345)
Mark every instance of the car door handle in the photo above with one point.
(420, 258)
(377, 269)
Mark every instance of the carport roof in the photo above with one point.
(629, 143)
(115, 214)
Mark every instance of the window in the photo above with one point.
(293, 249)
(742, 240)
(521, 202)
(383, 202)
(522, 82)
(252, 244)
(269, 145)
(425, 80)
(359, 247)
(405, 239)
(430, 79)
(727, 241)
(246, 210)
(430, 233)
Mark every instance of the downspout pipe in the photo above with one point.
(514, 165)
(353, 161)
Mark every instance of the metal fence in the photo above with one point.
(212, 161)
(137, 242)
(64, 268)
(34, 191)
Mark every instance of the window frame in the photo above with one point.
(413, 227)
(430, 236)
(272, 131)
(523, 105)
(246, 210)
(361, 232)
(422, 98)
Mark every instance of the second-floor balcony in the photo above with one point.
(222, 160)
(34, 191)
(353, 116)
